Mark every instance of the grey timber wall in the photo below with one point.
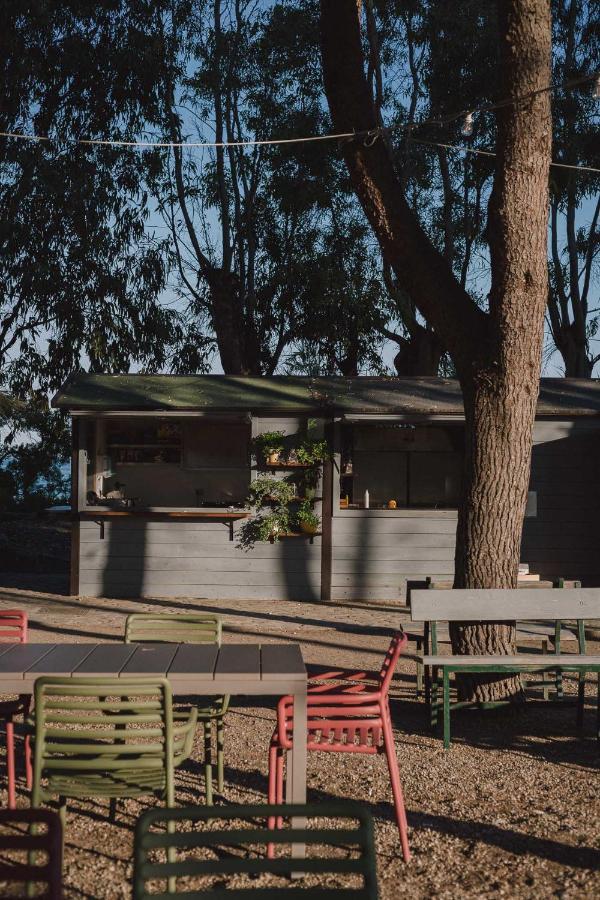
(564, 538)
(145, 558)
(182, 558)
(375, 552)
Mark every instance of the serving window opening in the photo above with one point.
(167, 463)
(400, 466)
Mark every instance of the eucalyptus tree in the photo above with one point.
(573, 297)
(496, 350)
(244, 218)
(79, 276)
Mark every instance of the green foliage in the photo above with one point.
(305, 515)
(311, 452)
(265, 527)
(268, 442)
(275, 490)
(33, 455)
(80, 272)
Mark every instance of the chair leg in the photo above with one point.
(272, 793)
(208, 761)
(10, 764)
(28, 764)
(220, 755)
(392, 761)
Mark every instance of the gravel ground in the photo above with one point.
(512, 810)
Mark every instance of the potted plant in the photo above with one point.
(267, 526)
(310, 452)
(270, 490)
(268, 446)
(307, 519)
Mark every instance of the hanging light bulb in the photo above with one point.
(467, 125)
(596, 88)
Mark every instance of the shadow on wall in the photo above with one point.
(124, 559)
(562, 540)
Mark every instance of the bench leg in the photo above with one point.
(544, 677)
(434, 701)
(580, 701)
(419, 649)
(446, 675)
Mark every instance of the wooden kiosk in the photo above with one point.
(162, 465)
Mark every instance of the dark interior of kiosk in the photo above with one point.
(401, 465)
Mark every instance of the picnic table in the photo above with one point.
(256, 670)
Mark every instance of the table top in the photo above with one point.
(254, 669)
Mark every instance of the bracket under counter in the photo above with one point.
(228, 518)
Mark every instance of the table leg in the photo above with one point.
(296, 779)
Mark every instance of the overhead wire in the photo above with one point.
(368, 135)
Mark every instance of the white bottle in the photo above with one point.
(366, 500)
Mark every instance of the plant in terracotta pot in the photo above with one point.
(268, 446)
(308, 520)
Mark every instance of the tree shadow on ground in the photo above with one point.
(512, 841)
(535, 729)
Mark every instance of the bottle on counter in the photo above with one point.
(366, 503)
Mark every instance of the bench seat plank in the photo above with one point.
(551, 661)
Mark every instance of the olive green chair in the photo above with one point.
(107, 737)
(186, 848)
(192, 628)
(30, 853)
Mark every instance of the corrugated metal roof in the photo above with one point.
(284, 394)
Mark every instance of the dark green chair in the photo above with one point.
(214, 845)
(193, 628)
(30, 853)
(107, 737)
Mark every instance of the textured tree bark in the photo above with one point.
(497, 354)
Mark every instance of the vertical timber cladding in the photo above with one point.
(139, 557)
(562, 539)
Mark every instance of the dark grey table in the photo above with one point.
(255, 670)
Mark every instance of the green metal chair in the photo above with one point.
(342, 847)
(107, 737)
(194, 628)
(30, 856)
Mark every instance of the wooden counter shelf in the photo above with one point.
(228, 517)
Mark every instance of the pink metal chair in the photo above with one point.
(13, 630)
(345, 718)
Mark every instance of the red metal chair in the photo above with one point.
(13, 630)
(345, 718)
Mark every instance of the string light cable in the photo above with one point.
(369, 136)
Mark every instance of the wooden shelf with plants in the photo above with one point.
(284, 507)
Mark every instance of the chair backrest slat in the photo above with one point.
(473, 605)
(158, 831)
(99, 723)
(29, 855)
(13, 626)
(179, 628)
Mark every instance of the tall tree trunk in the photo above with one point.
(419, 354)
(497, 354)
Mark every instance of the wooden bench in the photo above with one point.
(548, 605)
(432, 636)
